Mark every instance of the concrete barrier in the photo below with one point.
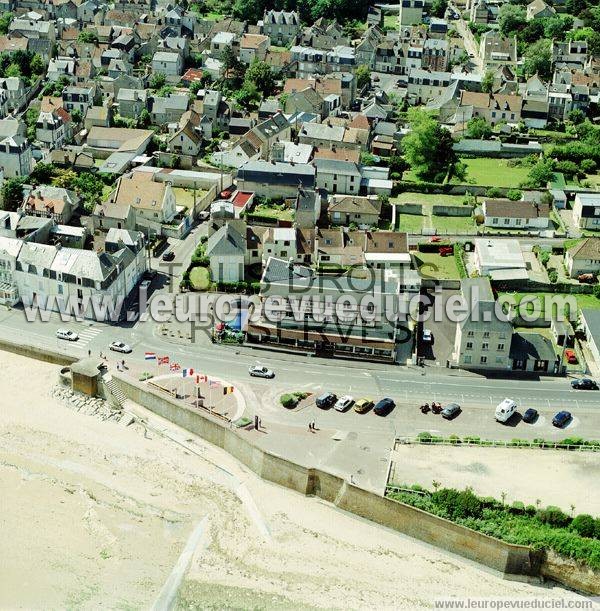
(40, 354)
(503, 557)
(440, 210)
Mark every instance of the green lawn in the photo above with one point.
(185, 197)
(276, 212)
(453, 224)
(490, 172)
(411, 223)
(390, 21)
(583, 301)
(433, 265)
(200, 278)
(428, 199)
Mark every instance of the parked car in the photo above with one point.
(451, 411)
(446, 251)
(427, 335)
(384, 407)
(326, 400)
(168, 256)
(120, 347)
(435, 238)
(584, 384)
(258, 371)
(505, 409)
(343, 403)
(70, 336)
(561, 419)
(530, 416)
(571, 356)
(362, 406)
(586, 278)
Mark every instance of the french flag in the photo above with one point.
(187, 372)
(150, 356)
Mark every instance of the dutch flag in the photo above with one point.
(150, 356)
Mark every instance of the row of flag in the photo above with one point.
(187, 372)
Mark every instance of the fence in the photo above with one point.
(513, 443)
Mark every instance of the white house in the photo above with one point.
(226, 249)
(169, 64)
(586, 210)
(583, 258)
(500, 259)
(507, 214)
(15, 156)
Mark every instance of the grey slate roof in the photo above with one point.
(226, 241)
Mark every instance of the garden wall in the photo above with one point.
(439, 210)
(416, 209)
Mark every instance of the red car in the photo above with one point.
(446, 251)
(435, 238)
(571, 356)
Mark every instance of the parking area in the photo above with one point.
(437, 351)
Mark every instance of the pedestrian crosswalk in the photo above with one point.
(87, 334)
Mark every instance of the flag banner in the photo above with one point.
(213, 384)
(201, 378)
(163, 360)
(175, 366)
(150, 356)
(227, 390)
(187, 372)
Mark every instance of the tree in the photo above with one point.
(248, 10)
(13, 70)
(511, 19)
(438, 8)
(12, 194)
(42, 174)
(363, 76)
(5, 21)
(487, 82)
(576, 116)
(260, 74)
(87, 36)
(556, 27)
(248, 96)
(479, 129)
(234, 69)
(537, 59)
(428, 146)
(158, 80)
(144, 118)
(541, 173)
(38, 65)
(76, 116)
(534, 30)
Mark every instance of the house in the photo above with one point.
(98, 116)
(279, 242)
(496, 51)
(290, 152)
(226, 249)
(586, 210)
(169, 109)
(494, 108)
(9, 252)
(191, 75)
(51, 202)
(220, 41)
(307, 209)
(55, 276)
(436, 54)
(53, 127)
(78, 98)
(590, 323)
(483, 337)
(33, 29)
(186, 141)
(311, 61)
(336, 176)
(167, 63)
(281, 27)
(411, 12)
(354, 210)
(583, 258)
(117, 139)
(275, 180)
(350, 337)
(131, 102)
(61, 67)
(15, 156)
(153, 202)
(253, 47)
(506, 214)
(328, 135)
(15, 91)
(500, 259)
(425, 85)
(538, 9)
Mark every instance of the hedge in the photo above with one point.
(548, 528)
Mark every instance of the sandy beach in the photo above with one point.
(95, 515)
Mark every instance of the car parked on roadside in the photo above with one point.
(504, 410)
(168, 256)
(427, 336)
(343, 403)
(259, 371)
(451, 411)
(326, 400)
(530, 415)
(561, 419)
(584, 384)
(571, 356)
(120, 347)
(66, 334)
(384, 407)
(362, 406)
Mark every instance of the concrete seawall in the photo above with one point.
(510, 560)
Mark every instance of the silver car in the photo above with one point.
(258, 371)
(70, 336)
(120, 347)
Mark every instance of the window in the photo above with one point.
(500, 346)
(467, 359)
(499, 359)
(470, 334)
(469, 345)
(483, 360)
(494, 221)
(486, 334)
(519, 221)
(485, 346)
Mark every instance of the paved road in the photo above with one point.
(409, 387)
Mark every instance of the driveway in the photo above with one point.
(439, 351)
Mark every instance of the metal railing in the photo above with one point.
(491, 443)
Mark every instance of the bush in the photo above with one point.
(288, 400)
(588, 165)
(493, 192)
(553, 516)
(585, 526)
(553, 276)
(457, 504)
(514, 195)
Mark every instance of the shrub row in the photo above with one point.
(567, 443)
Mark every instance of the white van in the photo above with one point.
(505, 410)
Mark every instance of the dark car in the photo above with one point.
(326, 400)
(561, 419)
(584, 384)
(384, 407)
(168, 256)
(530, 415)
(451, 411)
